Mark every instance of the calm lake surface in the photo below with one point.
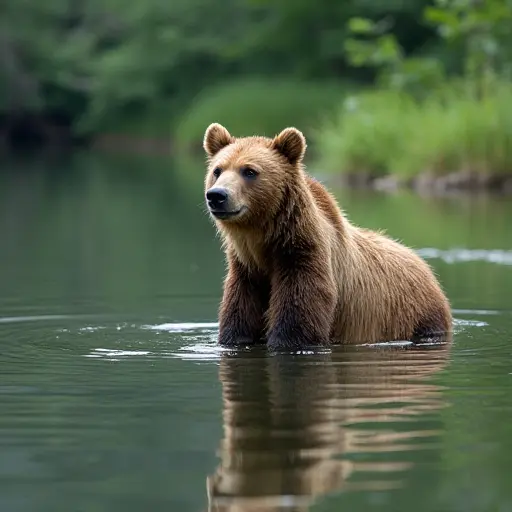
(115, 397)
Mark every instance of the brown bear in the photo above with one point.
(299, 273)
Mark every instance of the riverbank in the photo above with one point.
(448, 141)
(428, 184)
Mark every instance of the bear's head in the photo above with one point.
(247, 177)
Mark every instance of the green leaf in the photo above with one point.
(361, 25)
(441, 17)
(388, 49)
(360, 53)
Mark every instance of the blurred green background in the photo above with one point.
(394, 87)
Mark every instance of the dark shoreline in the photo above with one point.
(461, 182)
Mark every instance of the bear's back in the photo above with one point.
(384, 288)
(326, 203)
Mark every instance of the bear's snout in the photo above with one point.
(222, 205)
(217, 198)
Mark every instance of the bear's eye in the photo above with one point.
(249, 172)
(217, 171)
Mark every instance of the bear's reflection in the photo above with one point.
(289, 421)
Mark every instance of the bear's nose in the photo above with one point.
(216, 198)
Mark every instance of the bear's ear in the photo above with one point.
(215, 138)
(291, 144)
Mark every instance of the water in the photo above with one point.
(115, 396)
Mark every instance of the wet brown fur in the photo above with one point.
(299, 273)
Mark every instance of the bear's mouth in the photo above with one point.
(223, 214)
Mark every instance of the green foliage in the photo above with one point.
(420, 121)
(483, 27)
(102, 64)
(361, 26)
(257, 106)
(99, 63)
(153, 120)
(365, 135)
(96, 60)
(391, 132)
(383, 51)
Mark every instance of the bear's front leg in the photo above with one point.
(245, 300)
(302, 306)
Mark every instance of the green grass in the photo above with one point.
(257, 107)
(386, 132)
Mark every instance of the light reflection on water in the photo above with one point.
(457, 255)
(199, 341)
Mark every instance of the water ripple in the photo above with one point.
(198, 342)
(456, 255)
(293, 428)
(183, 327)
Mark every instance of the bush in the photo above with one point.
(257, 107)
(386, 132)
(364, 136)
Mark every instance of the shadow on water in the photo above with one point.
(299, 427)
